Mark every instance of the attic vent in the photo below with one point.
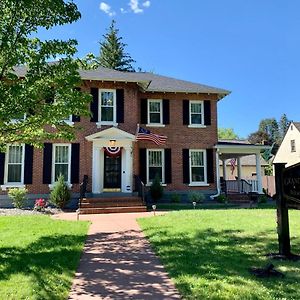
(291, 127)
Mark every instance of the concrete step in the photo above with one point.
(112, 200)
(111, 204)
(238, 198)
(110, 210)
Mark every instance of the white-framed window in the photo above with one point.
(198, 166)
(107, 106)
(61, 162)
(14, 164)
(155, 112)
(155, 164)
(293, 146)
(18, 118)
(196, 108)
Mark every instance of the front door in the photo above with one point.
(112, 172)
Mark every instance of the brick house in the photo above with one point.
(185, 112)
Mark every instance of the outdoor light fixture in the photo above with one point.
(194, 204)
(112, 143)
(154, 208)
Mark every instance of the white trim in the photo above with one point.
(4, 187)
(14, 184)
(114, 121)
(202, 113)
(162, 162)
(196, 126)
(53, 163)
(160, 111)
(155, 125)
(198, 183)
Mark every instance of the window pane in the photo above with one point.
(107, 98)
(153, 171)
(61, 154)
(155, 158)
(15, 154)
(197, 174)
(107, 114)
(154, 106)
(197, 158)
(196, 119)
(154, 117)
(61, 169)
(14, 173)
(196, 108)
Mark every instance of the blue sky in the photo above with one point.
(250, 47)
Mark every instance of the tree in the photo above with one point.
(112, 51)
(259, 137)
(271, 128)
(283, 126)
(28, 82)
(227, 134)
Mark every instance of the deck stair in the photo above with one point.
(115, 204)
(241, 198)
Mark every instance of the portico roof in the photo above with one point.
(111, 133)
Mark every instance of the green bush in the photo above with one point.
(156, 189)
(222, 198)
(175, 198)
(262, 199)
(196, 197)
(18, 196)
(60, 195)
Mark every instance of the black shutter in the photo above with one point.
(144, 111)
(74, 117)
(2, 163)
(166, 111)
(186, 165)
(120, 105)
(94, 105)
(75, 161)
(186, 112)
(207, 113)
(143, 165)
(168, 166)
(28, 160)
(210, 165)
(47, 163)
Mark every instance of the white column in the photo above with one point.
(224, 169)
(258, 173)
(127, 170)
(218, 172)
(239, 173)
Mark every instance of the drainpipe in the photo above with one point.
(218, 176)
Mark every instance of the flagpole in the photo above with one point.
(137, 129)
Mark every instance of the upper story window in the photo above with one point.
(197, 166)
(14, 166)
(107, 107)
(155, 162)
(293, 146)
(61, 161)
(155, 112)
(196, 113)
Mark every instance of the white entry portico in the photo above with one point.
(103, 139)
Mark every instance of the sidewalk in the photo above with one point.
(118, 262)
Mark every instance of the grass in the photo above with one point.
(208, 252)
(189, 206)
(38, 256)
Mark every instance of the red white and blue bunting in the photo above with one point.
(113, 151)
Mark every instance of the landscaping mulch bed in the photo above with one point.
(20, 212)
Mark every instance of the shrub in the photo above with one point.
(60, 195)
(175, 198)
(196, 197)
(18, 196)
(222, 198)
(156, 189)
(262, 199)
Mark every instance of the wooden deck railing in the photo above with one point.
(236, 186)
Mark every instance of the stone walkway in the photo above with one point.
(118, 262)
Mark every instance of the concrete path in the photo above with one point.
(118, 262)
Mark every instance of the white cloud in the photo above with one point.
(107, 9)
(146, 4)
(123, 11)
(134, 6)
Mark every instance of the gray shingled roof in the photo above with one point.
(249, 160)
(148, 81)
(297, 125)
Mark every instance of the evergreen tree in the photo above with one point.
(112, 51)
(283, 126)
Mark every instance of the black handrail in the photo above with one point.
(83, 189)
(140, 188)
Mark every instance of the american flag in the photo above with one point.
(232, 165)
(144, 134)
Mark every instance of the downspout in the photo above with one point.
(218, 177)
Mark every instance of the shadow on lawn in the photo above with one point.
(215, 256)
(44, 261)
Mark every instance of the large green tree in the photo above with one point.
(112, 51)
(27, 78)
(227, 134)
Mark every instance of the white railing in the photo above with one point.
(254, 184)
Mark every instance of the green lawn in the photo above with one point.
(38, 256)
(208, 252)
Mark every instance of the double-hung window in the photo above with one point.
(61, 161)
(196, 113)
(155, 161)
(155, 108)
(14, 164)
(293, 146)
(197, 166)
(107, 107)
